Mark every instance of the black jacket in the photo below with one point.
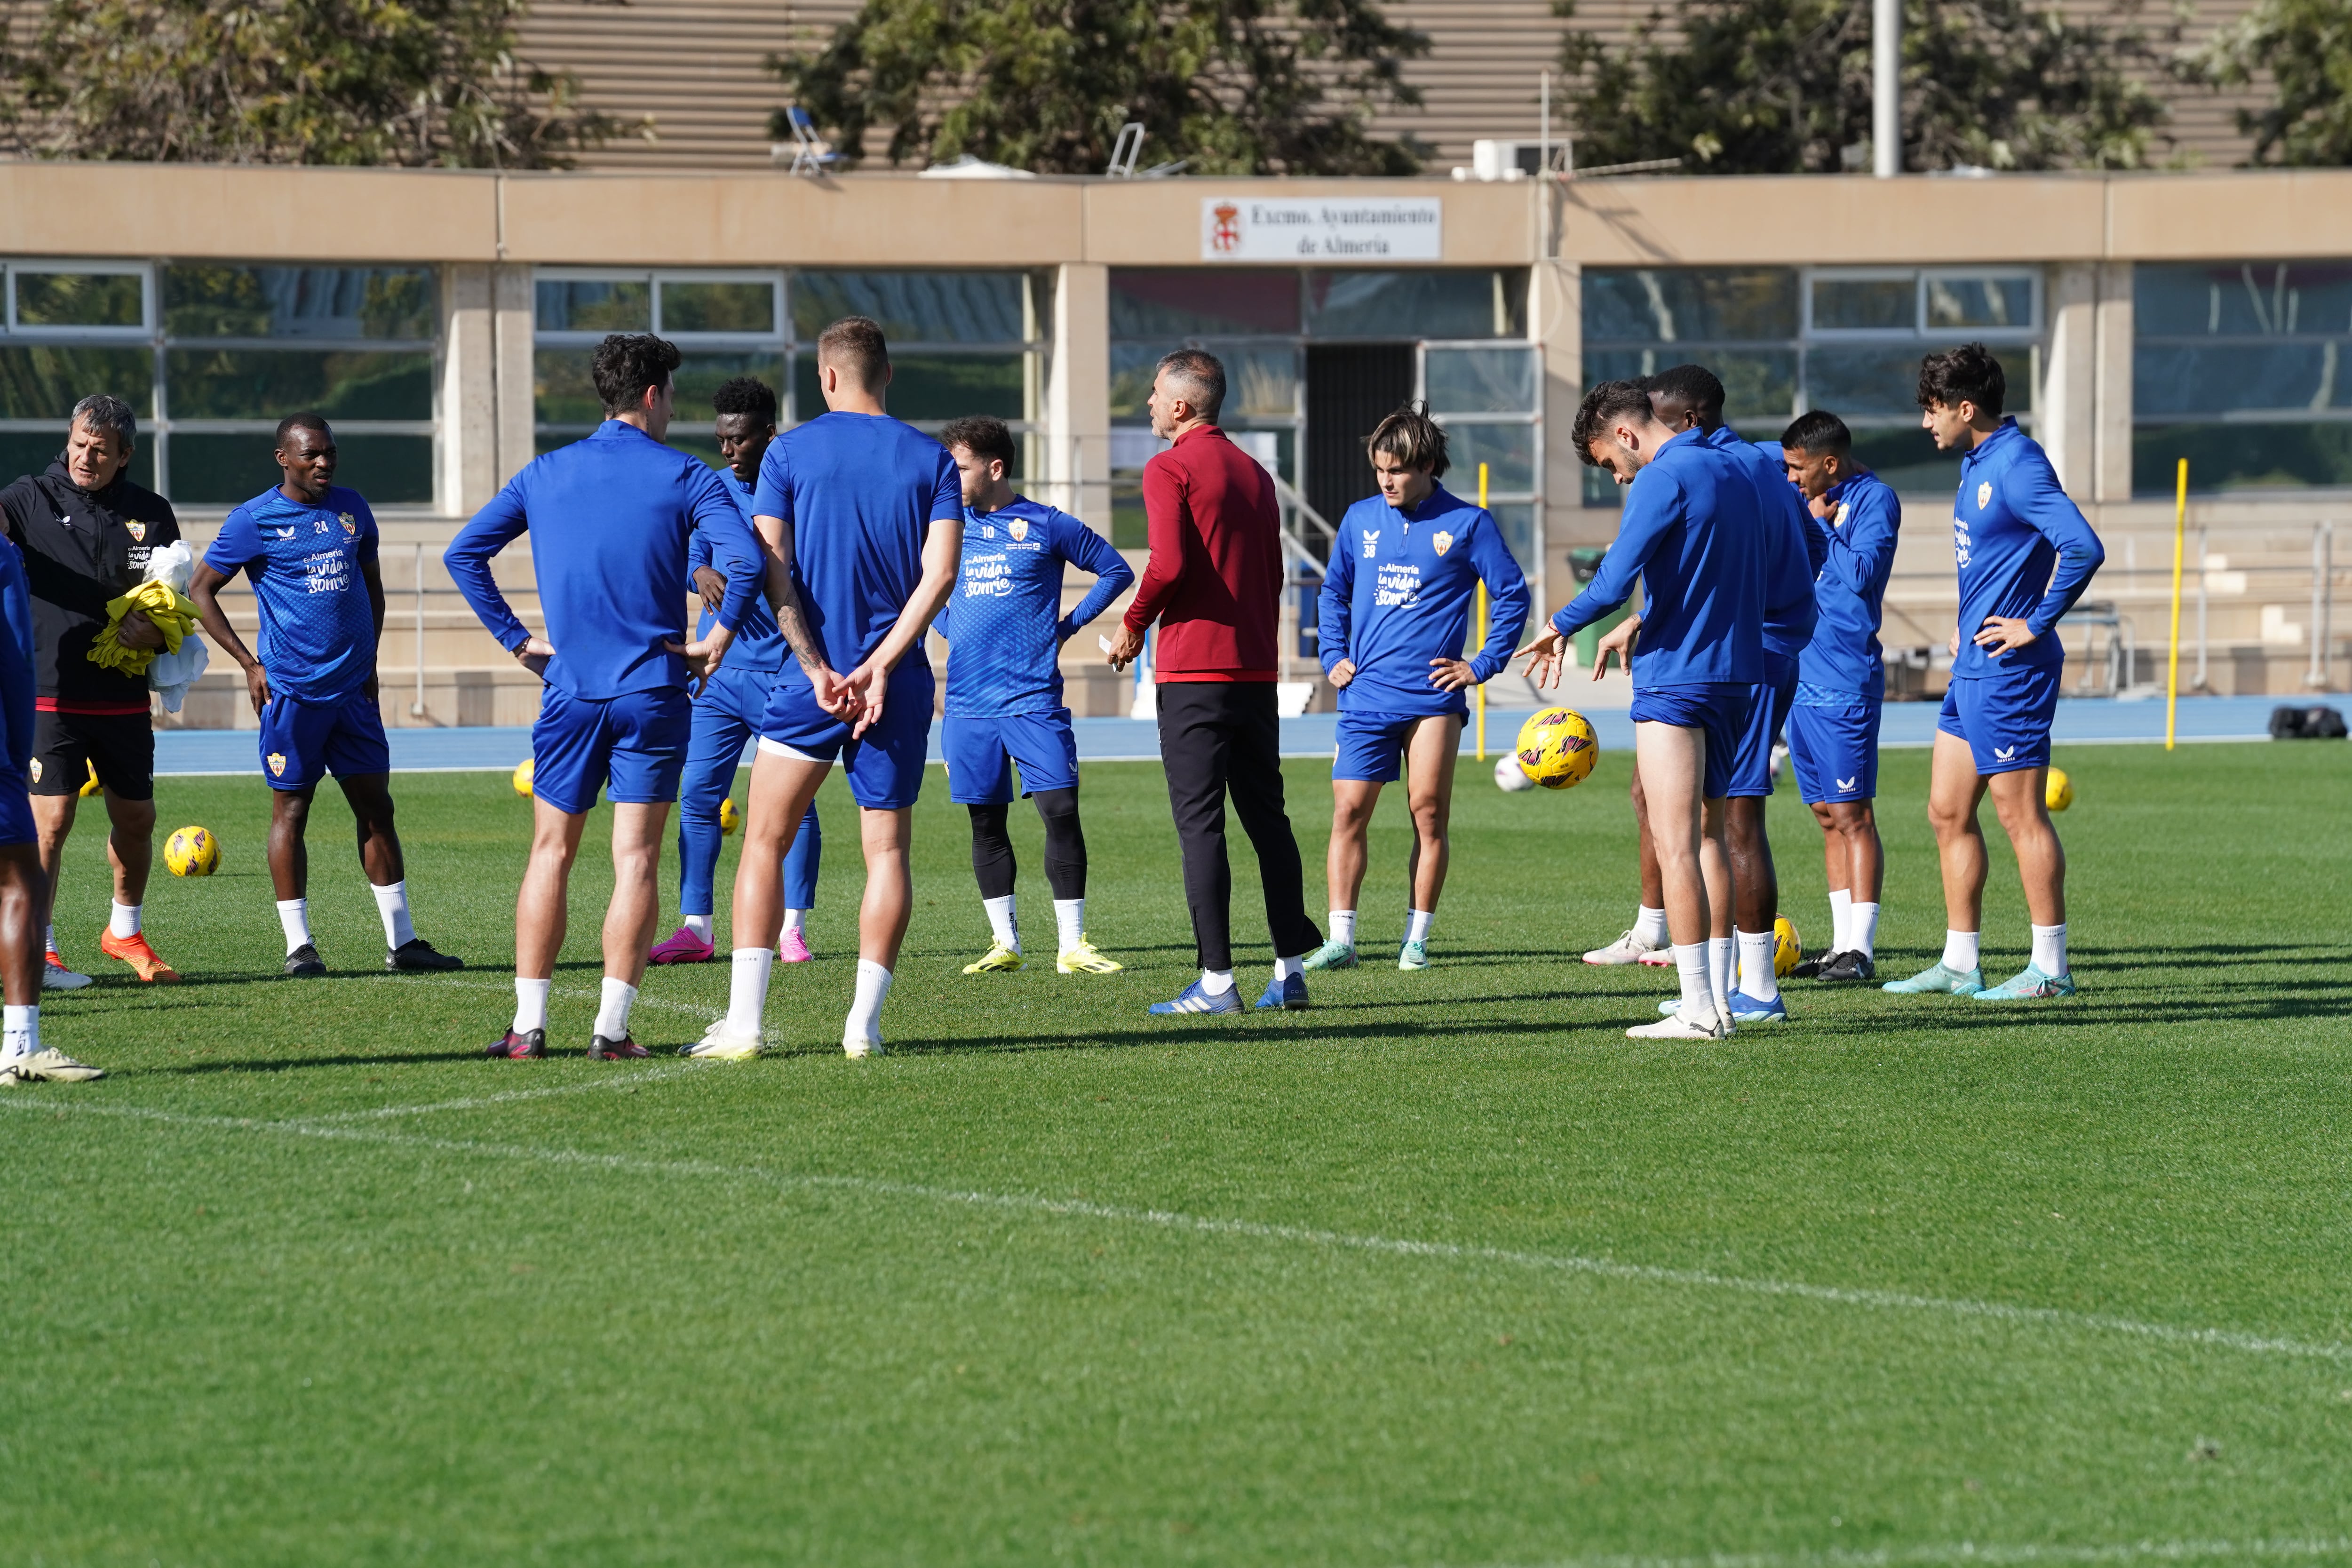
(82, 549)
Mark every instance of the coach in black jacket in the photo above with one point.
(87, 533)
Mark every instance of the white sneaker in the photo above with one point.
(55, 976)
(54, 1066)
(1628, 949)
(722, 1044)
(857, 1049)
(1681, 1026)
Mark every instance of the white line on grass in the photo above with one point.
(572, 992)
(626, 1081)
(1967, 1552)
(1166, 1219)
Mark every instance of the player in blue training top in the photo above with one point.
(1841, 680)
(24, 890)
(308, 546)
(610, 516)
(726, 710)
(860, 515)
(1693, 534)
(1392, 616)
(1005, 629)
(2024, 553)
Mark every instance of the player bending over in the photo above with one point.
(1692, 534)
(2013, 532)
(308, 547)
(613, 512)
(726, 710)
(23, 888)
(860, 515)
(1005, 629)
(1393, 613)
(1841, 682)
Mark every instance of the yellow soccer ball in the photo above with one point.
(192, 852)
(2059, 792)
(90, 785)
(728, 819)
(523, 776)
(1787, 947)
(1556, 748)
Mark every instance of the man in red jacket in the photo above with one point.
(1214, 584)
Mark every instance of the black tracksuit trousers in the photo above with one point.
(1217, 736)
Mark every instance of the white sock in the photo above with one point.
(613, 1012)
(531, 1004)
(1862, 931)
(698, 924)
(865, 1012)
(1343, 926)
(793, 921)
(1070, 922)
(747, 991)
(392, 903)
(124, 921)
(1960, 951)
(1841, 917)
(20, 1034)
(1650, 926)
(1690, 963)
(1001, 922)
(1417, 924)
(1722, 958)
(1757, 979)
(2050, 949)
(1216, 981)
(52, 939)
(294, 914)
(1283, 968)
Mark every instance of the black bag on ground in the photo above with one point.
(2307, 725)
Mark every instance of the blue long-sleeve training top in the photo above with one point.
(611, 516)
(1858, 541)
(1692, 532)
(1398, 592)
(1004, 622)
(759, 644)
(1792, 548)
(2022, 548)
(16, 680)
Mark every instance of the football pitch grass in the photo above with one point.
(1444, 1270)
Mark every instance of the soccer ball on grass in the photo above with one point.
(192, 852)
(1557, 748)
(1509, 777)
(729, 818)
(2059, 792)
(1787, 947)
(523, 776)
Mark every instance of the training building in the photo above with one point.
(442, 319)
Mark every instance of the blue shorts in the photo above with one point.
(740, 694)
(15, 808)
(2005, 719)
(885, 766)
(1719, 708)
(1767, 709)
(631, 745)
(981, 754)
(302, 743)
(1833, 746)
(1371, 745)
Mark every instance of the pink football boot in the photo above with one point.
(683, 947)
(793, 948)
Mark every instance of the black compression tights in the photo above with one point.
(1066, 847)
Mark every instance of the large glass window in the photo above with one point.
(1785, 339)
(212, 355)
(960, 343)
(2245, 369)
(1486, 395)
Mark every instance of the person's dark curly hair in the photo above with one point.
(1603, 408)
(1965, 374)
(746, 394)
(626, 364)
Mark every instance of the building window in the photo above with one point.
(1785, 340)
(960, 343)
(212, 355)
(2245, 369)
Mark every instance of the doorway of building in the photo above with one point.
(1351, 388)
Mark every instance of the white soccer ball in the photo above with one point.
(1509, 777)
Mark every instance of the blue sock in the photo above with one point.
(801, 863)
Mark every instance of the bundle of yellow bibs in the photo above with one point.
(174, 615)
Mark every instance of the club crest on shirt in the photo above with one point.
(351, 524)
(1371, 538)
(1441, 541)
(1844, 513)
(1018, 528)
(1984, 495)
(37, 770)
(138, 531)
(278, 765)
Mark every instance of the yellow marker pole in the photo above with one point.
(1482, 625)
(2179, 536)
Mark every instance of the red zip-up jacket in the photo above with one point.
(1214, 579)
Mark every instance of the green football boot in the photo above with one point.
(2030, 985)
(1413, 955)
(1937, 981)
(1333, 954)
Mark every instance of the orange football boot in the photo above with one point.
(133, 951)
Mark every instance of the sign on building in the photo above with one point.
(1258, 229)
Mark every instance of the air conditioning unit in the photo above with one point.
(1502, 161)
